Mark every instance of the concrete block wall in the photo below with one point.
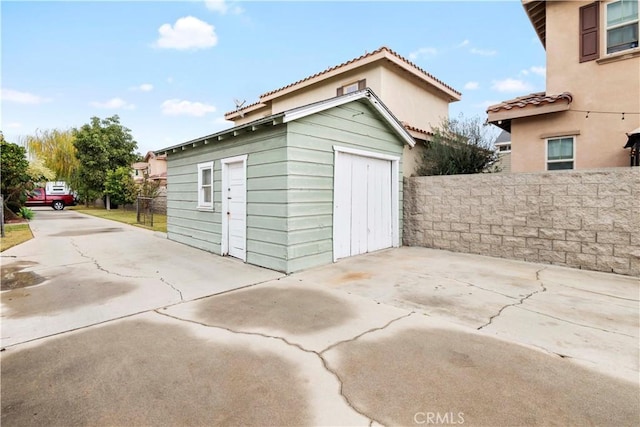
(584, 219)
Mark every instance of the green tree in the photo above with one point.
(55, 148)
(15, 176)
(459, 146)
(120, 187)
(101, 146)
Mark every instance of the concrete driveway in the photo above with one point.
(118, 326)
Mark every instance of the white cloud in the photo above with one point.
(510, 85)
(223, 7)
(187, 33)
(113, 104)
(177, 107)
(540, 71)
(471, 85)
(483, 52)
(14, 125)
(463, 43)
(145, 87)
(22, 97)
(423, 51)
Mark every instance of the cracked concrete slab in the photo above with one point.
(459, 287)
(308, 315)
(89, 279)
(611, 353)
(590, 316)
(419, 366)
(380, 339)
(161, 371)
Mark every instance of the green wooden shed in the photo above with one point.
(294, 190)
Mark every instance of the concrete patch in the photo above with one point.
(592, 317)
(402, 376)
(612, 353)
(307, 315)
(61, 294)
(293, 310)
(154, 374)
(87, 232)
(14, 278)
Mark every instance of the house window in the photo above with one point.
(205, 186)
(622, 25)
(560, 153)
(504, 148)
(352, 87)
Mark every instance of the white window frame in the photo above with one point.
(613, 27)
(202, 205)
(546, 153)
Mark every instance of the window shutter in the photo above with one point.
(589, 37)
(340, 91)
(362, 84)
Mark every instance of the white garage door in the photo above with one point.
(364, 193)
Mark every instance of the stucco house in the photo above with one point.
(592, 97)
(295, 189)
(418, 99)
(152, 167)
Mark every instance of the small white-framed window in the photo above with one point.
(561, 153)
(205, 186)
(622, 25)
(504, 148)
(352, 87)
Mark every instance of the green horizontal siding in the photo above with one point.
(266, 170)
(310, 165)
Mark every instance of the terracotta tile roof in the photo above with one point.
(246, 107)
(366, 55)
(354, 60)
(407, 126)
(537, 98)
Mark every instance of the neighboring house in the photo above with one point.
(503, 147)
(416, 98)
(592, 88)
(296, 189)
(153, 168)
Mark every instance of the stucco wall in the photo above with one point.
(328, 88)
(582, 219)
(412, 101)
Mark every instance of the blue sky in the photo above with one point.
(171, 70)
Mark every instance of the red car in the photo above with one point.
(39, 197)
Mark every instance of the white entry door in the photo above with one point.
(365, 203)
(234, 207)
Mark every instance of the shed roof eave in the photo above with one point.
(300, 112)
(273, 119)
(365, 94)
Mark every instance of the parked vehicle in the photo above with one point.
(54, 194)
